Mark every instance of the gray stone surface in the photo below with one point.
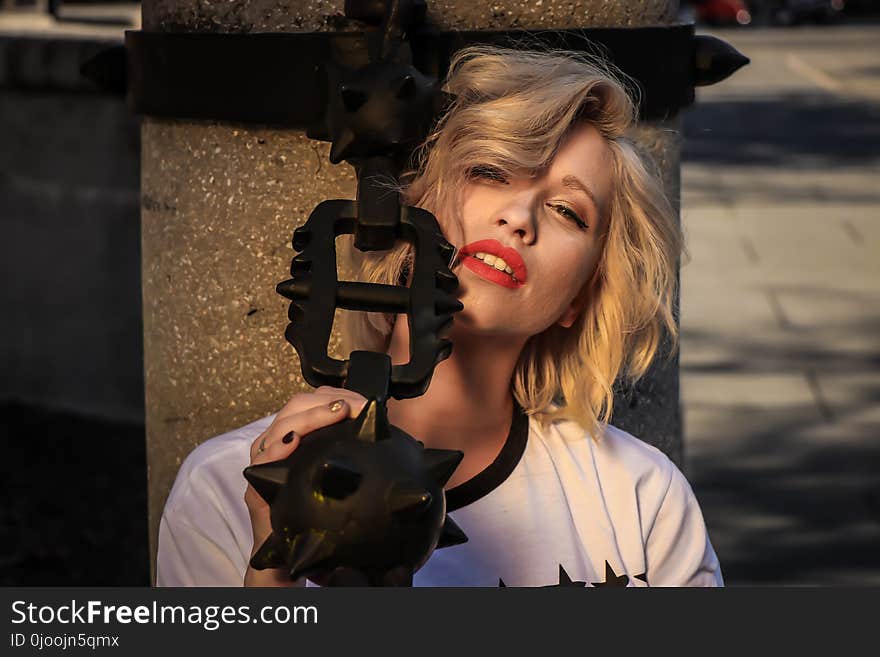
(219, 204)
(320, 15)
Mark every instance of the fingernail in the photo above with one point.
(334, 406)
(288, 438)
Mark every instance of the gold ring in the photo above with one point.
(262, 447)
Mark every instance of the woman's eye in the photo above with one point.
(568, 213)
(487, 173)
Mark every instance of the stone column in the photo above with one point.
(219, 202)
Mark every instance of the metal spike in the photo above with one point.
(319, 131)
(441, 463)
(339, 479)
(445, 249)
(308, 549)
(301, 238)
(287, 289)
(451, 534)
(352, 99)
(300, 264)
(715, 60)
(270, 554)
(445, 304)
(372, 423)
(406, 86)
(446, 280)
(442, 351)
(341, 146)
(295, 289)
(409, 499)
(108, 70)
(267, 478)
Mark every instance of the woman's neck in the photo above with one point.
(469, 404)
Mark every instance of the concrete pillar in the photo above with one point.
(219, 202)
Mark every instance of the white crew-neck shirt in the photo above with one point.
(556, 507)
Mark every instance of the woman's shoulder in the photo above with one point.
(637, 482)
(204, 533)
(216, 464)
(620, 467)
(614, 452)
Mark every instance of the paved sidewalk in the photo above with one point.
(74, 22)
(781, 308)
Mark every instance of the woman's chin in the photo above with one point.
(469, 327)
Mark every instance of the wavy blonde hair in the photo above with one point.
(512, 110)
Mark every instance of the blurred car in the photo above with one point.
(722, 12)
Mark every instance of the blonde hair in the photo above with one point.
(512, 110)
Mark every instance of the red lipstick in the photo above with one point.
(490, 273)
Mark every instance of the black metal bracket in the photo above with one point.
(282, 78)
(315, 293)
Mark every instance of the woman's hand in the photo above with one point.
(303, 414)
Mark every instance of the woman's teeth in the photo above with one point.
(494, 261)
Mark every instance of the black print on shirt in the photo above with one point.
(611, 579)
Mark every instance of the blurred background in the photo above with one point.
(780, 354)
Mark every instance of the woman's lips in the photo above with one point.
(491, 273)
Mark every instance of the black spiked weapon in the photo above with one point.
(362, 495)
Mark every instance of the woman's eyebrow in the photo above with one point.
(572, 182)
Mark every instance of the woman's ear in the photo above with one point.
(575, 308)
(579, 303)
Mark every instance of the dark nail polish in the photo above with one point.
(288, 438)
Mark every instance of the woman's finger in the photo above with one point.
(322, 395)
(280, 439)
(275, 448)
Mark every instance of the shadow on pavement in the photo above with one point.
(783, 512)
(790, 490)
(791, 130)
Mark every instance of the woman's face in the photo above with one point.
(530, 245)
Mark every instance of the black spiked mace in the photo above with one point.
(362, 495)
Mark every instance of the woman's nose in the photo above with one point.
(520, 220)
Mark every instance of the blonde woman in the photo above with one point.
(567, 270)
